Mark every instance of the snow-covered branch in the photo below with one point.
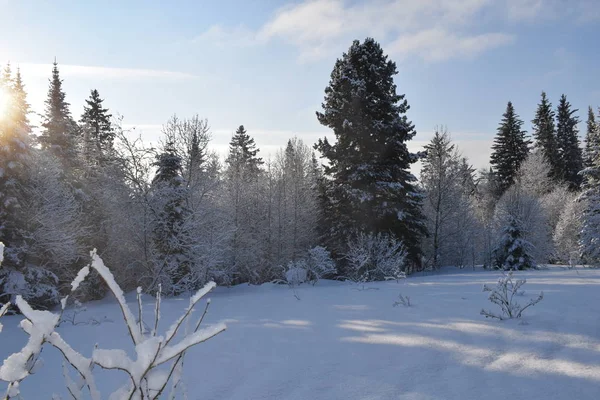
(152, 350)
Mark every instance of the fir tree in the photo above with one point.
(171, 236)
(20, 108)
(243, 151)
(510, 149)
(15, 147)
(59, 126)
(589, 238)
(592, 138)
(371, 187)
(570, 155)
(513, 252)
(96, 119)
(545, 135)
(243, 187)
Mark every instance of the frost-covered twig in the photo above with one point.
(503, 295)
(140, 309)
(402, 301)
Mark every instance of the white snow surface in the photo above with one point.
(344, 341)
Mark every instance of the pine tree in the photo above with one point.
(545, 135)
(372, 189)
(171, 236)
(96, 119)
(59, 126)
(570, 155)
(592, 138)
(510, 149)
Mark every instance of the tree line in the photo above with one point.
(175, 215)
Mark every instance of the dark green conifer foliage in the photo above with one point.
(370, 187)
(59, 127)
(544, 133)
(510, 149)
(96, 119)
(592, 138)
(171, 234)
(569, 151)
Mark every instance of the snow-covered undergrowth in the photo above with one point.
(340, 343)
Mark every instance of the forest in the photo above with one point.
(175, 215)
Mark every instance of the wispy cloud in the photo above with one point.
(43, 70)
(438, 45)
(222, 36)
(433, 30)
(580, 11)
(319, 27)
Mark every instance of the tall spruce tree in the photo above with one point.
(20, 106)
(96, 120)
(589, 237)
(171, 234)
(243, 150)
(15, 147)
(592, 138)
(570, 155)
(545, 135)
(243, 188)
(59, 126)
(371, 187)
(510, 149)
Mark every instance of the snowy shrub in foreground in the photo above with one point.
(503, 295)
(375, 257)
(146, 381)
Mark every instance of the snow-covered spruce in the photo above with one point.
(513, 251)
(146, 381)
(503, 295)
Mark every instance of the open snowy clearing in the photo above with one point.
(338, 341)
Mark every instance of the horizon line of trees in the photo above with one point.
(177, 216)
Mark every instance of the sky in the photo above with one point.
(265, 64)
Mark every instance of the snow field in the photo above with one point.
(343, 341)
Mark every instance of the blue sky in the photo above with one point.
(266, 63)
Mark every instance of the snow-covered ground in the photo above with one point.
(338, 341)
